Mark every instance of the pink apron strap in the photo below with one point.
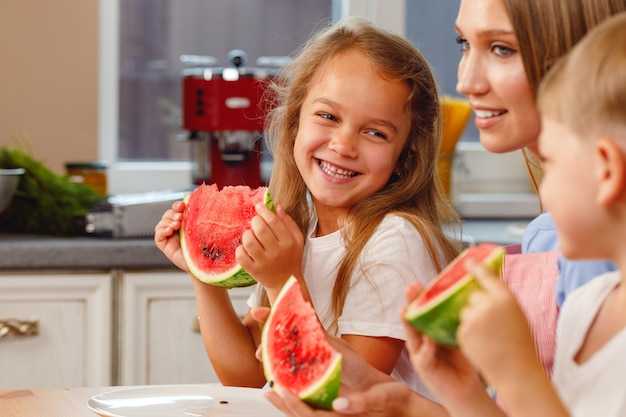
(515, 249)
(531, 279)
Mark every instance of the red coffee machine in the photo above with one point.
(224, 113)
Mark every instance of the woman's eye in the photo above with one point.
(501, 50)
(463, 42)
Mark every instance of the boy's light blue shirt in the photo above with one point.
(540, 236)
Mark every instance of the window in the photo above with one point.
(141, 47)
(141, 72)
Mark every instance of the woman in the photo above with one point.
(507, 48)
(500, 75)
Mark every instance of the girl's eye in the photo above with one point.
(463, 42)
(377, 133)
(503, 51)
(327, 116)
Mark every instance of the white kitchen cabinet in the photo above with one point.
(117, 327)
(160, 342)
(55, 329)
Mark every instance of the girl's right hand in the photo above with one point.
(166, 235)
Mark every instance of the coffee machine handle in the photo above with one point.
(273, 61)
(188, 59)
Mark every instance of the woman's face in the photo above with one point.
(353, 126)
(491, 75)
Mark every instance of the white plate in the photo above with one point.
(183, 400)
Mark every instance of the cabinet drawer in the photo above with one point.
(161, 343)
(55, 330)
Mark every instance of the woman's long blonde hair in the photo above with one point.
(415, 193)
(546, 30)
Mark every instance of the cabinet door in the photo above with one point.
(55, 330)
(161, 343)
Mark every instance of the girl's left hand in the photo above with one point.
(272, 249)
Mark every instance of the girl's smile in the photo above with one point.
(354, 123)
(336, 173)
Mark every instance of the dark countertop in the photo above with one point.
(48, 252)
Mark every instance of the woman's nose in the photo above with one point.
(472, 77)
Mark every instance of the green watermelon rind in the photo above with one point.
(319, 395)
(323, 394)
(234, 277)
(439, 319)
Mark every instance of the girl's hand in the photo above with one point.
(494, 333)
(166, 235)
(272, 249)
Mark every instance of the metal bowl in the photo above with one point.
(9, 179)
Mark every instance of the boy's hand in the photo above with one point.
(166, 235)
(446, 371)
(493, 332)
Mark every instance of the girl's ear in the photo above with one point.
(610, 171)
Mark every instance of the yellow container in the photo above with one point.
(93, 174)
(455, 113)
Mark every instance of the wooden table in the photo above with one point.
(72, 402)
(59, 402)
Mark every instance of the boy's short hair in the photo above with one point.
(586, 90)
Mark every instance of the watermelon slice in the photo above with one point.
(213, 223)
(296, 354)
(435, 313)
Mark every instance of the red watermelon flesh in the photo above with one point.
(435, 312)
(296, 354)
(213, 224)
(455, 271)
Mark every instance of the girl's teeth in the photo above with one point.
(336, 172)
(487, 113)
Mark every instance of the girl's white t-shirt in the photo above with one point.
(394, 257)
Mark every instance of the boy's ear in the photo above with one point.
(610, 171)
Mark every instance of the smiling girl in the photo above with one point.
(355, 134)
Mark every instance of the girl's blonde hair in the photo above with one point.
(586, 91)
(415, 193)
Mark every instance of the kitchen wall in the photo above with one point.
(49, 78)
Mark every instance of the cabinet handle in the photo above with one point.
(17, 328)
